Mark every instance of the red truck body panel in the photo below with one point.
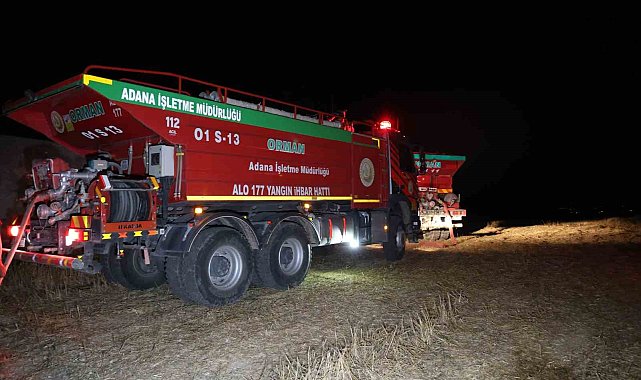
(230, 152)
(439, 171)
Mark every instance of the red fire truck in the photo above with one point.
(202, 186)
(439, 206)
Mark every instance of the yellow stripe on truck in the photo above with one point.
(125, 234)
(154, 183)
(80, 221)
(92, 78)
(262, 198)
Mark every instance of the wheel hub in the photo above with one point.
(290, 256)
(220, 266)
(286, 256)
(225, 267)
(139, 262)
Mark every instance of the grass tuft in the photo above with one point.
(376, 352)
(41, 282)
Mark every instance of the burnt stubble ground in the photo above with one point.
(550, 301)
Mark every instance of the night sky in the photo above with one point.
(544, 112)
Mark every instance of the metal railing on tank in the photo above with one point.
(228, 95)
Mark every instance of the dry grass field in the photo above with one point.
(551, 301)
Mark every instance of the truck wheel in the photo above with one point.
(140, 275)
(111, 267)
(173, 267)
(284, 262)
(433, 235)
(217, 270)
(395, 247)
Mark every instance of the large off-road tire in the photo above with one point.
(173, 266)
(436, 235)
(139, 275)
(284, 262)
(395, 247)
(433, 235)
(111, 267)
(129, 270)
(218, 268)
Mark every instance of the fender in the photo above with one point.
(299, 219)
(179, 238)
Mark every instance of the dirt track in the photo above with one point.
(552, 301)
